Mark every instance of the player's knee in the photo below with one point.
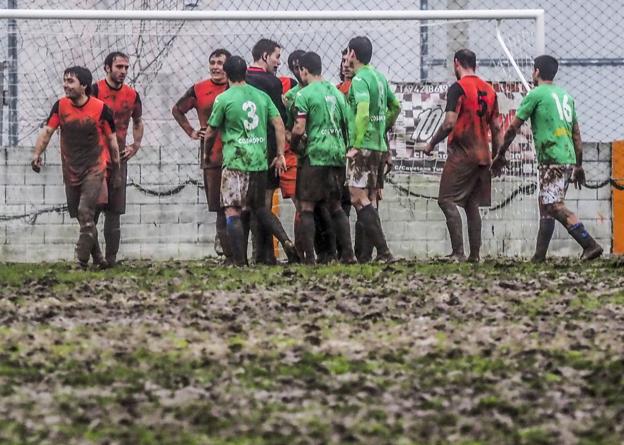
(85, 216)
(553, 209)
(445, 204)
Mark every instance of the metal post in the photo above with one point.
(2, 102)
(540, 33)
(12, 62)
(456, 34)
(424, 45)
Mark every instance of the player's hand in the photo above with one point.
(428, 149)
(129, 151)
(197, 134)
(578, 177)
(280, 164)
(389, 165)
(36, 163)
(497, 166)
(351, 153)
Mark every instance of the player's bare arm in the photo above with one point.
(495, 130)
(450, 119)
(578, 175)
(179, 110)
(43, 139)
(209, 137)
(137, 136)
(113, 148)
(297, 133)
(499, 160)
(280, 137)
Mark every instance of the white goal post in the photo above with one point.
(492, 14)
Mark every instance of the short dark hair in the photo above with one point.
(235, 68)
(262, 47)
(312, 62)
(110, 58)
(466, 58)
(547, 66)
(293, 57)
(220, 52)
(340, 73)
(363, 48)
(83, 75)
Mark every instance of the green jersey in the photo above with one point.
(553, 115)
(242, 113)
(327, 124)
(289, 97)
(370, 86)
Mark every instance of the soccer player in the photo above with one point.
(241, 114)
(125, 103)
(321, 114)
(261, 74)
(88, 140)
(559, 149)
(201, 97)
(471, 110)
(375, 108)
(346, 74)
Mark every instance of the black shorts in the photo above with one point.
(316, 184)
(212, 188)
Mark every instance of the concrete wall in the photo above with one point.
(179, 226)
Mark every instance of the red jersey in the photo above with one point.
(84, 132)
(474, 100)
(201, 96)
(125, 104)
(344, 86)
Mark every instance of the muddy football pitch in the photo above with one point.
(505, 352)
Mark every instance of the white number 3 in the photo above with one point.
(253, 119)
(565, 111)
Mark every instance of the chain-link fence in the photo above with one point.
(167, 57)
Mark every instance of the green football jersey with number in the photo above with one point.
(327, 123)
(369, 85)
(553, 115)
(242, 114)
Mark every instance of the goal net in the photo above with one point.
(166, 213)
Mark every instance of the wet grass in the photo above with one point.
(413, 353)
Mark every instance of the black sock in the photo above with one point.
(343, 234)
(372, 227)
(306, 229)
(544, 235)
(235, 234)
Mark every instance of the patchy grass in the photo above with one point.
(414, 353)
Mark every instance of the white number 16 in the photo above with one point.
(565, 111)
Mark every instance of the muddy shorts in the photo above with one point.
(92, 190)
(116, 202)
(212, 188)
(365, 169)
(554, 181)
(316, 184)
(243, 189)
(463, 179)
